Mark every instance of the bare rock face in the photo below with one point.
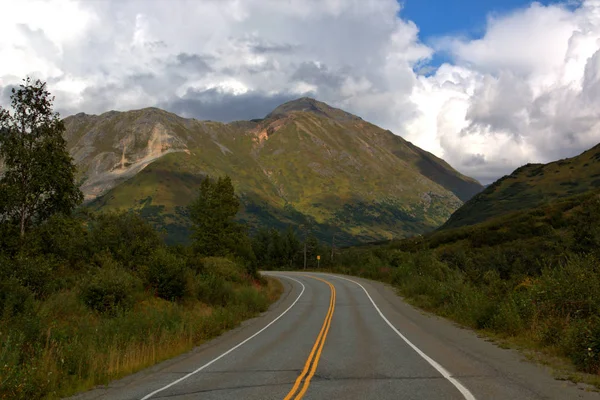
(110, 149)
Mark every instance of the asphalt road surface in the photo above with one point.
(337, 337)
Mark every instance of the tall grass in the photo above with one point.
(61, 346)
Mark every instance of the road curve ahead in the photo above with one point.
(337, 337)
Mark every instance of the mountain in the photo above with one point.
(530, 186)
(304, 163)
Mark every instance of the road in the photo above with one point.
(337, 337)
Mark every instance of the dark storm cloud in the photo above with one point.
(316, 74)
(474, 160)
(265, 48)
(215, 105)
(197, 62)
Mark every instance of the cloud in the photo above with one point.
(528, 90)
(220, 105)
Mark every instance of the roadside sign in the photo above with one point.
(318, 257)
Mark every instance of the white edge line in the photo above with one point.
(233, 348)
(465, 392)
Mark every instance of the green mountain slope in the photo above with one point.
(530, 186)
(305, 163)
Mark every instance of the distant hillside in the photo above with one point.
(530, 186)
(304, 163)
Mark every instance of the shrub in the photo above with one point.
(166, 274)
(37, 273)
(129, 239)
(214, 290)
(62, 236)
(110, 289)
(583, 344)
(224, 268)
(570, 289)
(14, 299)
(251, 299)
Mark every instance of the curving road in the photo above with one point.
(337, 337)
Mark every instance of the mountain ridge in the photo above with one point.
(304, 163)
(530, 186)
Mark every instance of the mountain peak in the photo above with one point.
(310, 105)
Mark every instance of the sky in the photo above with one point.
(486, 85)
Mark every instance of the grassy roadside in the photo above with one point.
(528, 280)
(530, 317)
(78, 349)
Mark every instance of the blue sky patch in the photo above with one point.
(464, 18)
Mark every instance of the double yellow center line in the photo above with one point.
(313, 359)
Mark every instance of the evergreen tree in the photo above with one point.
(291, 246)
(215, 232)
(39, 175)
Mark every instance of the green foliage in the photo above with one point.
(35, 272)
(214, 290)
(65, 237)
(74, 312)
(529, 187)
(15, 299)
(287, 176)
(224, 268)
(87, 319)
(129, 239)
(212, 213)
(277, 250)
(532, 274)
(167, 274)
(39, 176)
(111, 289)
(583, 344)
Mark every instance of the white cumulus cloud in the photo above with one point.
(526, 91)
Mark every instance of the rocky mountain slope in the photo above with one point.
(304, 163)
(531, 186)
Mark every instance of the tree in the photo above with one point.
(312, 247)
(291, 246)
(214, 231)
(39, 174)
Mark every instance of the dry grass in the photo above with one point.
(81, 350)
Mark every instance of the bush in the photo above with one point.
(214, 290)
(129, 239)
(110, 289)
(62, 236)
(570, 289)
(224, 268)
(166, 274)
(38, 273)
(14, 299)
(583, 344)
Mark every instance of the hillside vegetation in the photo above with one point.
(86, 298)
(530, 275)
(306, 163)
(530, 186)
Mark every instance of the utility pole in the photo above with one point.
(332, 245)
(305, 253)
(304, 230)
